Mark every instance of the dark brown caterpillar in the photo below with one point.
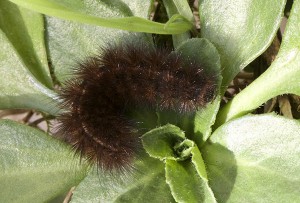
(123, 77)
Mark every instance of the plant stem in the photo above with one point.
(179, 7)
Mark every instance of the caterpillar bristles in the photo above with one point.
(126, 76)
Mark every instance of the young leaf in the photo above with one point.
(184, 166)
(34, 167)
(282, 77)
(185, 183)
(159, 142)
(240, 29)
(256, 159)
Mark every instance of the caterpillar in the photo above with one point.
(125, 76)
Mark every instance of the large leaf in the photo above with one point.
(75, 11)
(240, 29)
(255, 159)
(146, 183)
(70, 42)
(25, 31)
(282, 77)
(140, 8)
(18, 88)
(34, 167)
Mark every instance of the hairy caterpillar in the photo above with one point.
(124, 77)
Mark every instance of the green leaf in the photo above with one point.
(160, 142)
(146, 183)
(18, 88)
(184, 166)
(255, 159)
(70, 42)
(203, 121)
(140, 8)
(184, 9)
(188, 180)
(185, 183)
(25, 31)
(34, 166)
(174, 8)
(240, 29)
(73, 11)
(204, 53)
(282, 77)
(198, 162)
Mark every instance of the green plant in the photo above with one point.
(242, 158)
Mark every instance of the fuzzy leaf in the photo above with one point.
(255, 159)
(282, 77)
(34, 167)
(184, 166)
(18, 88)
(185, 183)
(146, 183)
(188, 179)
(240, 29)
(24, 29)
(159, 142)
(71, 42)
